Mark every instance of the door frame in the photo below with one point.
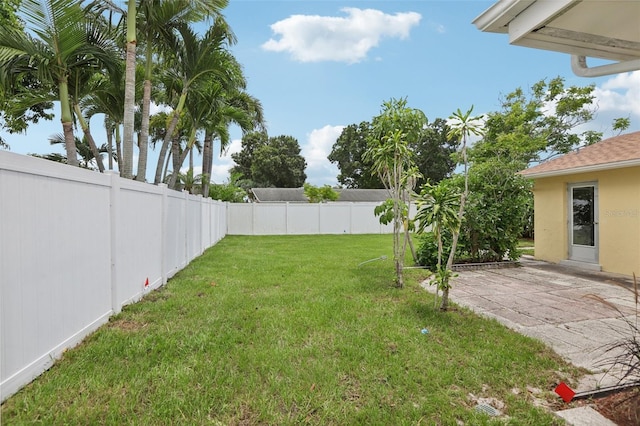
(577, 252)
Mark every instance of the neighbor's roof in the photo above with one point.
(613, 153)
(296, 195)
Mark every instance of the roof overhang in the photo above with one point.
(604, 29)
(583, 169)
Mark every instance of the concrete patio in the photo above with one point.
(556, 305)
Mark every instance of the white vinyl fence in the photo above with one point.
(75, 246)
(301, 218)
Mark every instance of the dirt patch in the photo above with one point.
(126, 325)
(622, 407)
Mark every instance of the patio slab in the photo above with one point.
(556, 304)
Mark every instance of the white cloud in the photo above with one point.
(620, 94)
(313, 38)
(223, 163)
(155, 108)
(320, 171)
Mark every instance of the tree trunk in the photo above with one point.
(70, 144)
(67, 124)
(89, 137)
(109, 144)
(118, 146)
(178, 160)
(162, 158)
(143, 141)
(129, 93)
(169, 136)
(207, 162)
(454, 243)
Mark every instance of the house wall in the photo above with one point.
(619, 218)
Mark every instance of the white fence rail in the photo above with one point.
(75, 246)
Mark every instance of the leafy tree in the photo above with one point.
(539, 126)
(432, 150)
(497, 212)
(348, 153)
(394, 164)
(195, 59)
(320, 194)
(8, 14)
(230, 191)
(244, 159)
(270, 161)
(84, 151)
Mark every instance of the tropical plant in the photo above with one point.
(157, 25)
(462, 126)
(393, 162)
(60, 39)
(438, 207)
(321, 194)
(195, 59)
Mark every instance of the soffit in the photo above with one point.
(606, 29)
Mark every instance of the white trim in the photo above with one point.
(534, 17)
(584, 169)
(497, 17)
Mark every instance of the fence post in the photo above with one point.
(114, 194)
(163, 232)
(185, 213)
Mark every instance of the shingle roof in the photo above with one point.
(296, 195)
(619, 151)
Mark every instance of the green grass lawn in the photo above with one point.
(290, 330)
(526, 246)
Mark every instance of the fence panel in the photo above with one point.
(138, 244)
(304, 218)
(76, 245)
(55, 285)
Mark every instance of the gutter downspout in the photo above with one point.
(580, 68)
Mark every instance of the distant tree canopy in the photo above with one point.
(270, 161)
(14, 117)
(8, 14)
(432, 152)
(535, 126)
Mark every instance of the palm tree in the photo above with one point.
(106, 96)
(195, 60)
(239, 108)
(129, 93)
(60, 41)
(158, 22)
(83, 150)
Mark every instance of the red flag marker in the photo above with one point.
(146, 283)
(565, 392)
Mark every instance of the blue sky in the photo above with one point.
(318, 66)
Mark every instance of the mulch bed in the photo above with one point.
(622, 407)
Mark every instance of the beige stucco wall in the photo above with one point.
(619, 218)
